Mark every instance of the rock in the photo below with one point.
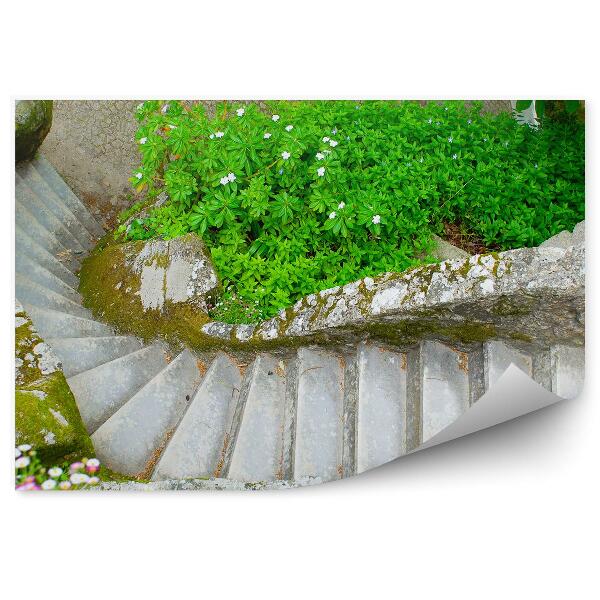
(444, 250)
(564, 239)
(579, 233)
(33, 119)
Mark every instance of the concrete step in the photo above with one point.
(41, 188)
(56, 324)
(444, 386)
(32, 293)
(80, 354)
(568, 370)
(131, 439)
(381, 423)
(26, 246)
(41, 210)
(499, 356)
(26, 222)
(63, 191)
(101, 391)
(198, 446)
(319, 415)
(31, 269)
(257, 453)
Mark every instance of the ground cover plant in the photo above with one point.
(295, 197)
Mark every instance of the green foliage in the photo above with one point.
(349, 190)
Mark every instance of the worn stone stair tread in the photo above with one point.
(198, 445)
(40, 209)
(568, 370)
(40, 188)
(79, 354)
(56, 324)
(24, 245)
(130, 439)
(381, 419)
(444, 386)
(258, 450)
(33, 293)
(319, 415)
(499, 356)
(100, 391)
(29, 268)
(25, 220)
(64, 192)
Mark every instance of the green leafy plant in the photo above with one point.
(302, 196)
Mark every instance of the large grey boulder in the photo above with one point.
(33, 119)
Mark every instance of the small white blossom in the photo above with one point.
(64, 485)
(285, 155)
(143, 140)
(341, 205)
(172, 126)
(333, 143)
(289, 127)
(376, 219)
(17, 453)
(219, 134)
(78, 478)
(430, 121)
(469, 121)
(450, 140)
(24, 447)
(164, 109)
(535, 166)
(334, 131)
(333, 215)
(224, 180)
(267, 135)
(326, 139)
(212, 136)
(240, 112)
(49, 484)
(485, 139)
(320, 156)
(22, 462)
(230, 177)
(455, 156)
(55, 472)
(321, 171)
(93, 480)
(421, 159)
(275, 117)
(138, 175)
(445, 108)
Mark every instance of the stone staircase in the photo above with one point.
(289, 416)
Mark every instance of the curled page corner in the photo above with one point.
(514, 394)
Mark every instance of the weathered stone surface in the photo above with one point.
(444, 250)
(33, 119)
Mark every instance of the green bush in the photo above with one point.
(303, 196)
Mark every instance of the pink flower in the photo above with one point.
(92, 465)
(76, 466)
(27, 487)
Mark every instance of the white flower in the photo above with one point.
(289, 127)
(143, 140)
(240, 112)
(164, 109)
(22, 462)
(469, 121)
(333, 143)
(219, 134)
(321, 171)
(445, 108)
(24, 447)
(78, 478)
(64, 485)
(376, 220)
(320, 156)
(430, 121)
(333, 215)
(49, 484)
(326, 139)
(275, 117)
(485, 139)
(285, 155)
(94, 462)
(55, 472)
(212, 136)
(450, 140)
(421, 159)
(172, 126)
(230, 177)
(93, 480)
(138, 175)
(334, 131)
(341, 205)
(224, 180)
(267, 135)
(535, 166)
(17, 453)
(455, 156)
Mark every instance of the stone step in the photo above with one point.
(130, 440)
(56, 324)
(381, 418)
(41, 189)
(43, 214)
(83, 353)
(101, 391)
(445, 389)
(31, 269)
(200, 442)
(258, 450)
(25, 220)
(26, 246)
(319, 415)
(568, 370)
(499, 356)
(32, 293)
(63, 191)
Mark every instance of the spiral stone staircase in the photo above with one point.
(288, 417)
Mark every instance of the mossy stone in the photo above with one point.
(33, 119)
